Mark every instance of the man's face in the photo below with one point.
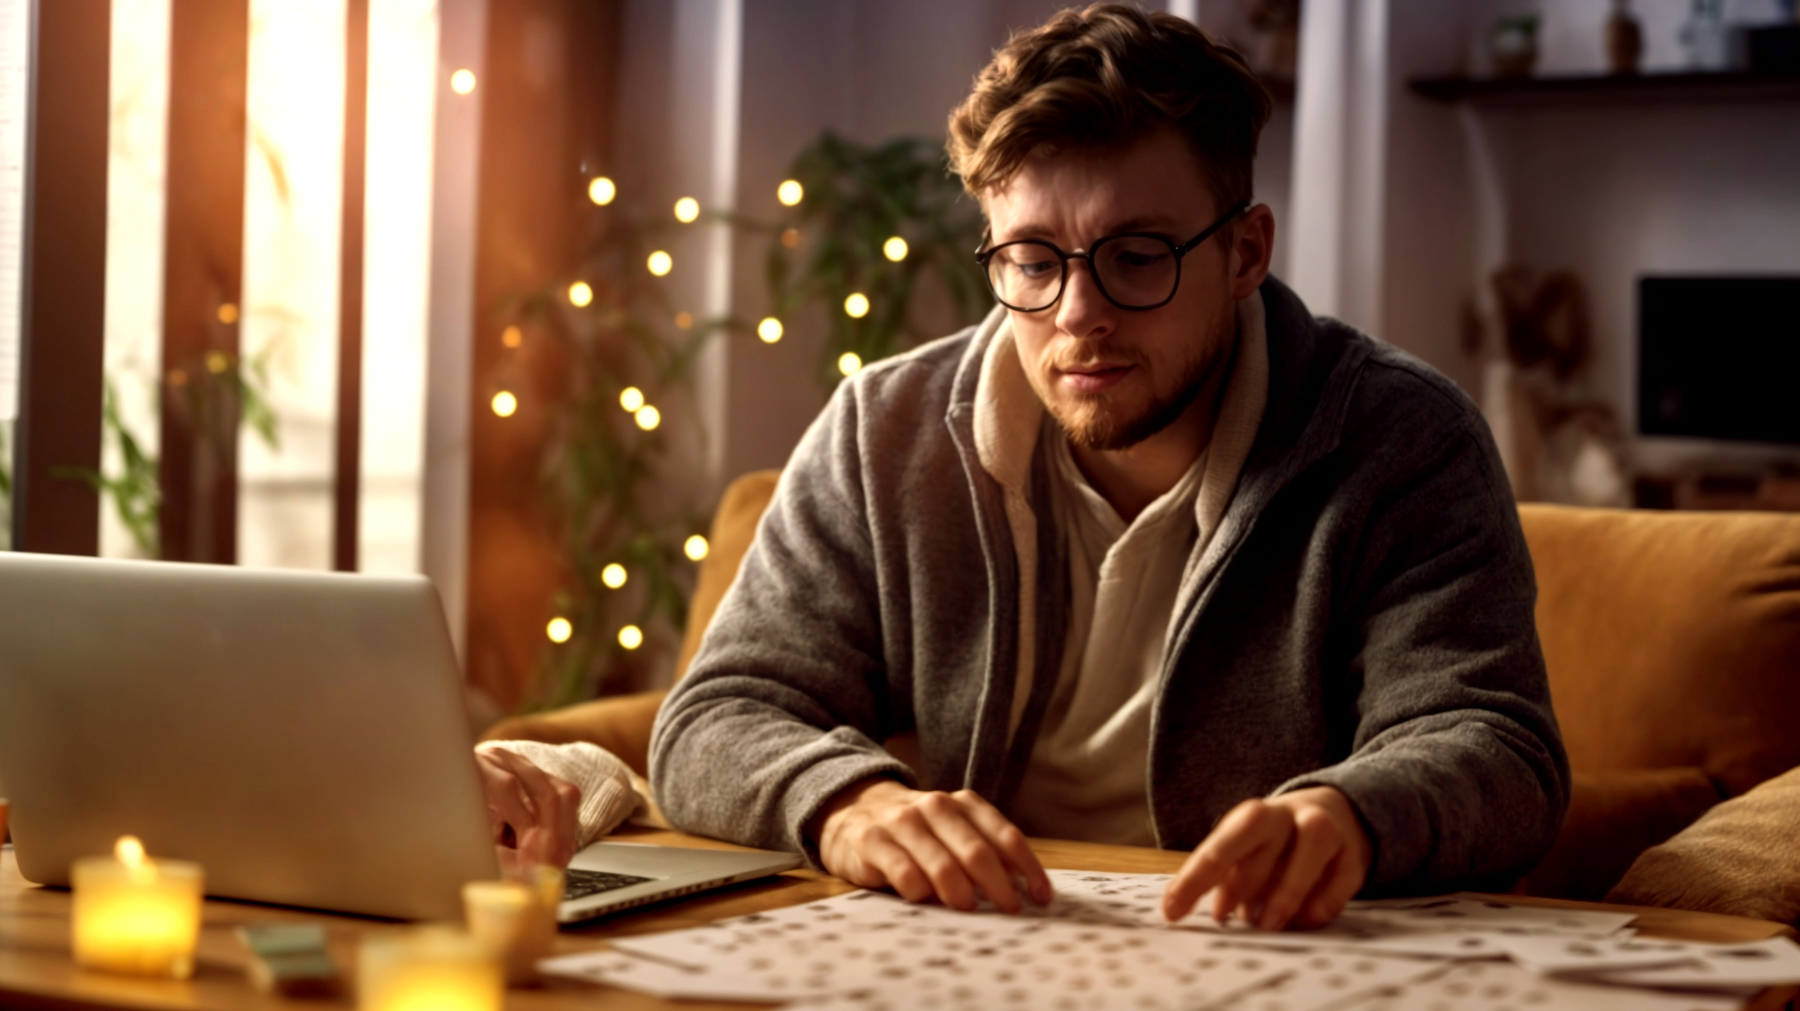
(1113, 377)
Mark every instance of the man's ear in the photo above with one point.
(1252, 247)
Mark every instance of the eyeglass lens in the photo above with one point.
(1135, 271)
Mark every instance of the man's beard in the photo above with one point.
(1090, 424)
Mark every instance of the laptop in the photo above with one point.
(300, 734)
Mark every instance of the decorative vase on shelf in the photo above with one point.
(1707, 40)
(1624, 40)
(1513, 45)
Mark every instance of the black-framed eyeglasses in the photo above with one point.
(1133, 270)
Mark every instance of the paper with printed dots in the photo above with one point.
(1502, 986)
(1103, 944)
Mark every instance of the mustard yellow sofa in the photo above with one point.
(1673, 647)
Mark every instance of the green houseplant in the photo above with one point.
(838, 242)
(628, 349)
(628, 547)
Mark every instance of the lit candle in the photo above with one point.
(428, 969)
(516, 918)
(136, 915)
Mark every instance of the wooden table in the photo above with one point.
(36, 971)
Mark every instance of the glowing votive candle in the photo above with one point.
(516, 918)
(135, 915)
(428, 969)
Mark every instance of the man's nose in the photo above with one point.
(1083, 311)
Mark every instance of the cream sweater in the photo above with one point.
(1088, 775)
(608, 796)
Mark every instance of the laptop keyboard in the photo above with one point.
(579, 884)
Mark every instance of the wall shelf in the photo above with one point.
(1610, 89)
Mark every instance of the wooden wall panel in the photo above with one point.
(346, 478)
(63, 304)
(547, 108)
(209, 47)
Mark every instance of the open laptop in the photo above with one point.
(301, 735)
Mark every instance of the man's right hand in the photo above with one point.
(954, 846)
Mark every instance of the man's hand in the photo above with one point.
(535, 817)
(1296, 859)
(955, 846)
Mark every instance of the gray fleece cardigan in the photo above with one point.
(1364, 621)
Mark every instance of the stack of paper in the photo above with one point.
(1103, 944)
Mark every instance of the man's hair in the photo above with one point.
(1106, 77)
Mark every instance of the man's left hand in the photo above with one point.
(1295, 859)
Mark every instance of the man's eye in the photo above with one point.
(1035, 268)
(1129, 260)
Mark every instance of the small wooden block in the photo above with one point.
(290, 959)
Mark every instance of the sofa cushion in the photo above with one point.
(1613, 817)
(1672, 639)
(1739, 858)
(619, 723)
(734, 527)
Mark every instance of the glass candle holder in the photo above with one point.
(428, 969)
(134, 915)
(517, 919)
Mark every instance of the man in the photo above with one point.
(1150, 556)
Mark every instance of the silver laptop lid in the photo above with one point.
(301, 735)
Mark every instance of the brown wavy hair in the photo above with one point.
(1105, 77)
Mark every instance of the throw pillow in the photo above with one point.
(1739, 858)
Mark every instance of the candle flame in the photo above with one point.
(129, 851)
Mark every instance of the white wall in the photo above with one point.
(1613, 192)
(1618, 192)
(1609, 190)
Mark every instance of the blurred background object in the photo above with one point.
(1624, 39)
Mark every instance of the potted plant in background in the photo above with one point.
(874, 234)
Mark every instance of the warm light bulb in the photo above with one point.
(463, 81)
(228, 313)
(601, 190)
(505, 404)
(660, 263)
(631, 637)
(894, 249)
(849, 363)
(129, 851)
(857, 305)
(631, 398)
(559, 630)
(512, 337)
(648, 417)
(687, 209)
(696, 547)
(217, 362)
(580, 294)
(613, 576)
(789, 192)
(790, 237)
(769, 330)
(684, 320)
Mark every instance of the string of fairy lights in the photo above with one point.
(505, 403)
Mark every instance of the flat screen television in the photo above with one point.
(1719, 358)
